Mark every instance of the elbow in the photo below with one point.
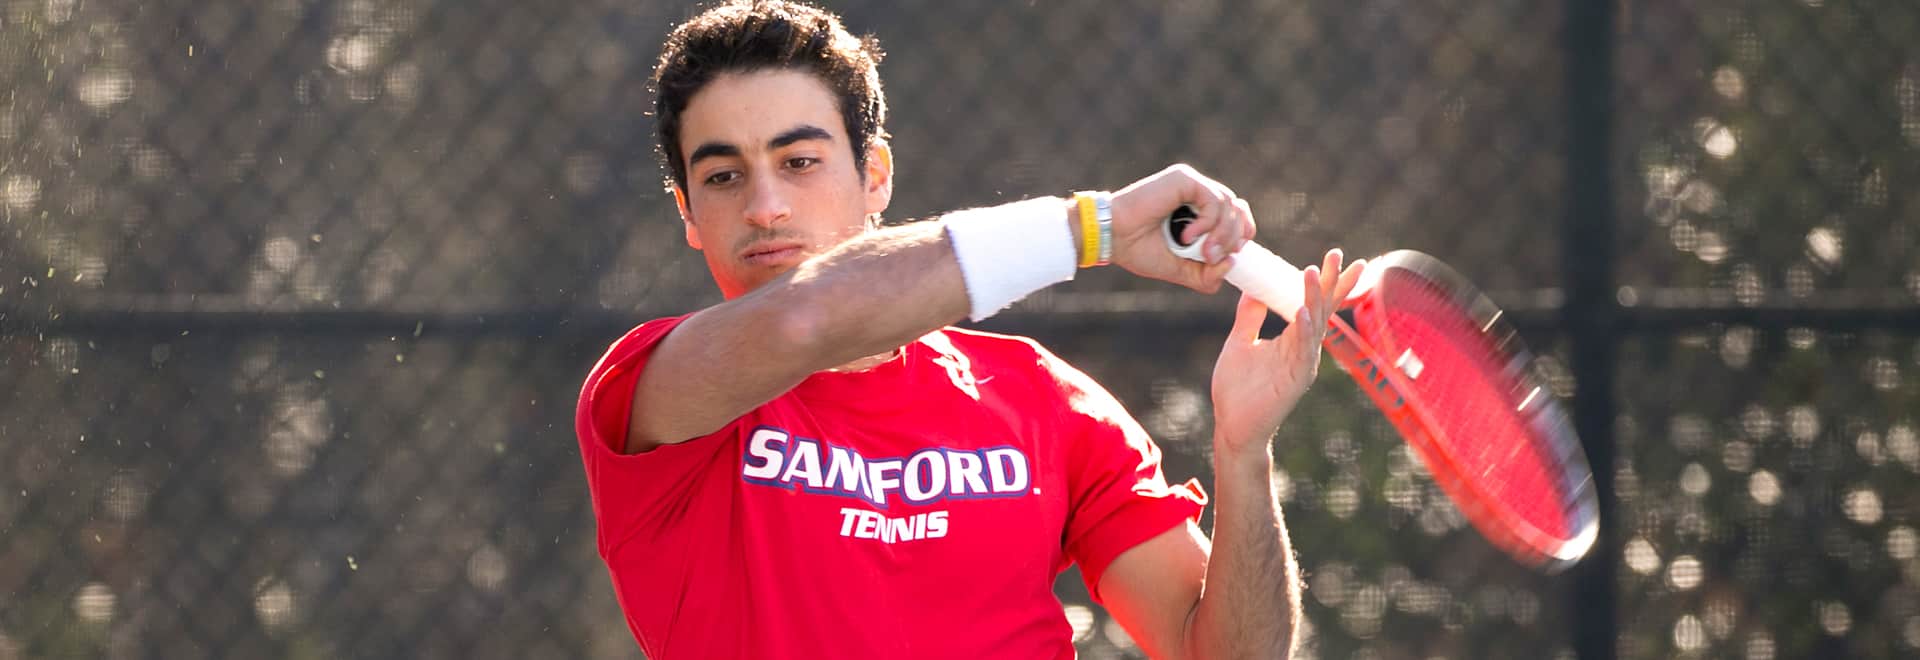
(822, 329)
(799, 328)
(784, 317)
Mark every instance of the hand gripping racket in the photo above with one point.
(1455, 381)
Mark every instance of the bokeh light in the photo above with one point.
(273, 603)
(1863, 506)
(1683, 574)
(1903, 543)
(1764, 488)
(1694, 480)
(94, 603)
(1835, 618)
(1688, 634)
(1641, 557)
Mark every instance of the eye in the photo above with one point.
(801, 162)
(722, 177)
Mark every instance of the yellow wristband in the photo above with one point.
(1089, 230)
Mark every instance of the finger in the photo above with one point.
(1217, 207)
(1330, 270)
(1207, 277)
(1307, 334)
(1348, 280)
(1299, 335)
(1302, 337)
(1232, 232)
(1210, 204)
(1247, 318)
(1229, 234)
(1238, 227)
(1312, 297)
(1212, 275)
(1306, 346)
(1315, 301)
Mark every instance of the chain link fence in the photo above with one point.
(1766, 474)
(295, 297)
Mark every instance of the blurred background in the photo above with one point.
(296, 296)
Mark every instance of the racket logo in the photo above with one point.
(1365, 367)
(1410, 364)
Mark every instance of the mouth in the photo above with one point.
(771, 254)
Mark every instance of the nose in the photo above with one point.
(767, 203)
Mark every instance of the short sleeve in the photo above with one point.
(632, 492)
(1120, 497)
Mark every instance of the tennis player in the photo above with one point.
(820, 467)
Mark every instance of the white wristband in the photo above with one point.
(1011, 250)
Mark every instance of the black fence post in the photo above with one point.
(1590, 314)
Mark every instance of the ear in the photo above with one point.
(686, 218)
(879, 176)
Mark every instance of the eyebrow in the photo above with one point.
(796, 134)
(799, 133)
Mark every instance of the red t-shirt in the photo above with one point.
(919, 509)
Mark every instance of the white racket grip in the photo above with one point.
(1256, 270)
(1268, 278)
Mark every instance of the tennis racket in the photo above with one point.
(1456, 382)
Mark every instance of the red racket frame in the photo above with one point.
(1387, 386)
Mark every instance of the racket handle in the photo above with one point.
(1256, 270)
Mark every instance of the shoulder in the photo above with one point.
(639, 341)
(655, 329)
(607, 392)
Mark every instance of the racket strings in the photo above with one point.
(1475, 397)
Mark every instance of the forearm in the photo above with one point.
(1250, 604)
(869, 295)
(891, 286)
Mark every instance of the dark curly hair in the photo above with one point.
(747, 36)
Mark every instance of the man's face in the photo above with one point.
(771, 178)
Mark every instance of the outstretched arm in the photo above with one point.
(875, 293)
